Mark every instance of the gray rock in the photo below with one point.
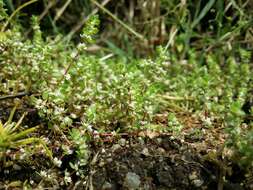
(132, 181)
(145, 152)
(107, 186)
(141, 141)
(122, 142)
(115, 147)
(198, 182)
(16, 167)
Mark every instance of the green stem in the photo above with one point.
(15, 12)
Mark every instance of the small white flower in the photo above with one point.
(67, 76)
(22, 156)
(43, 173)
(89, 128)
(103, 150)
(46, 140)
(73, 54)
(22, 150)
(57, 162)
(96, 134)
(208, 121)
(67, 149)
(75, 166)
(72, 115)
(81, 46)
(67, 179)
(57, 93)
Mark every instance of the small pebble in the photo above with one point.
(145, 152)
(122, 142)
(16, 167)
(109, 160)
(160, 150)
(132, 181)
(198, 182)
(101, 164)
(159, 140)
(107, 186)
(115, 147)
(141, 141)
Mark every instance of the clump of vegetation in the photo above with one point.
(10, 138)
(80, 96)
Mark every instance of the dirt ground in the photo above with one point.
(161, 163)
(143, 160)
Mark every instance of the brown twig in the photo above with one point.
(18, 95)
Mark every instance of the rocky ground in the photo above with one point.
(162, 163)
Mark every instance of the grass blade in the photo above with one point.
(203, 13)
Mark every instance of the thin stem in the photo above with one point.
(15, 12)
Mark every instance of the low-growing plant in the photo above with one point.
(66, 85)
(81, 150)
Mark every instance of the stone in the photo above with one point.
(122, 142)
(132, 181)
(115, 147)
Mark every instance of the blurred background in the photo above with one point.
(136, 27)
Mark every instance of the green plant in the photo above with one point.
(81, 149)
(68, 86)
(11, 138)
(173, 123)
